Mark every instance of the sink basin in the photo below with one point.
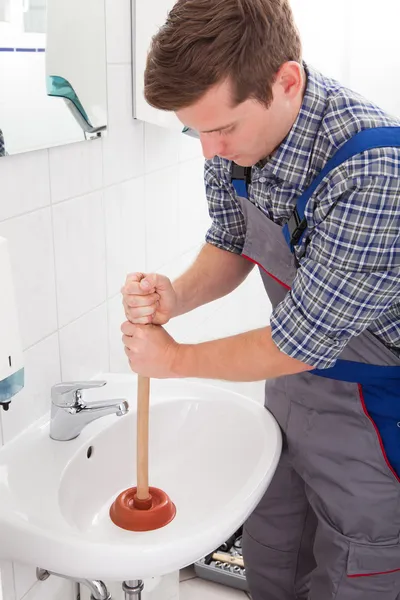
(213, 451)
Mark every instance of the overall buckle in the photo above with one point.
(296, 227)
(241, 173)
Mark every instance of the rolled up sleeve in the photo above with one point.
(228, 228)
(348, 278)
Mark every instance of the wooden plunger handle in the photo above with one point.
(143, 437)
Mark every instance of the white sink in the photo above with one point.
(211, 450)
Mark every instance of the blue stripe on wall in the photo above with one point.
(22, 49)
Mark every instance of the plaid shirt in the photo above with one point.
(349, 274)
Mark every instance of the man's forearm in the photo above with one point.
(250, 356)
(214, 274)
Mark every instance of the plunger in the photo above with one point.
(142, 508)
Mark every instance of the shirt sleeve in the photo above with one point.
(228, 228)
(348, 277)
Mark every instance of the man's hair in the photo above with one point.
(205, 42)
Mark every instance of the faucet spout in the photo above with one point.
(69, 418)
(95, 410)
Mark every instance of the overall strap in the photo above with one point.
(363, 373)
(379, 137)
(241, 178)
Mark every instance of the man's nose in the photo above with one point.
(211, 146)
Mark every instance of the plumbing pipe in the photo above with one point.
(133, 589)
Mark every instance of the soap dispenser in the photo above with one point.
(11, 357)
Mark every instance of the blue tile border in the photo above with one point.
(22, 49)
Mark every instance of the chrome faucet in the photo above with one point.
(70, 414)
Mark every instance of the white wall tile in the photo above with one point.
(188, 328)
(161, 147)
(116, 316)
(123, 153)
(125, 232)
(7, 580)
(194, 219)
(42, 370)
(32, 259)
(189, 148)
(179, 264)
(162, 241)
(24, 183)
(25, 578)
(240, 311)
(75, 169)
(53, 588)
(198, 589)
(84, 346)
(79, 241)
(118, 30)
(252, 389)
(119, 94)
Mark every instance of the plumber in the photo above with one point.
(302, 178)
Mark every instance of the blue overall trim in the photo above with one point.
(379, 137)
(240, 187)
(381, 391)
(356, 372)
(383, 406)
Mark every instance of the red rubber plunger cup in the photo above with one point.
(142, 508)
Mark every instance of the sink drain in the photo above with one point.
(89, 451)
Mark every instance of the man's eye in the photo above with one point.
(226, 131)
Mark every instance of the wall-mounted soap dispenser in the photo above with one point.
(11, 357)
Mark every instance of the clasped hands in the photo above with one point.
(149, 302)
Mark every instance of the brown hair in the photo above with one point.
(204, 42)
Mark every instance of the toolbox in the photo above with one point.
(225, 564)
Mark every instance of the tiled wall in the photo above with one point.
(79, 218)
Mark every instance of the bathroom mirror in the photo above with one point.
(53, 87)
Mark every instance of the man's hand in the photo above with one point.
(148, 298)
(150, 349)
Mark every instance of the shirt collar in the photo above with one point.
(291, 159)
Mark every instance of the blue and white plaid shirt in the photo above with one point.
(349, 277)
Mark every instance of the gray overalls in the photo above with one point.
(328, 526)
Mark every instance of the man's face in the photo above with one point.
(248, 132)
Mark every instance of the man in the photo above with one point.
(302, 178)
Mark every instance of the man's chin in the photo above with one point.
(243, 162)
(240, 160)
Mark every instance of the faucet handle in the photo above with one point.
(66, 394)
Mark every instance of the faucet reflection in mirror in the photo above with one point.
(75, 60)
(48, 50)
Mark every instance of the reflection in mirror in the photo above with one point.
(52, 73)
